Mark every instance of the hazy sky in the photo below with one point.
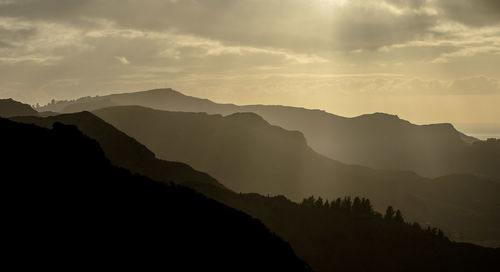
(425, 60)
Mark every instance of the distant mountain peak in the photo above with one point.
(161, 90)
(379, 115)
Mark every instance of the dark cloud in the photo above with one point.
(43, 9)
(298, 25)
(472, 12)
(374, 29)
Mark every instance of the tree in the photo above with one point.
(389, 213)
(366, 206)
(399, 217)
(416, 226)
(319, 202)
(356, 205)
(308, 202)
(336, 204)
(346, 204)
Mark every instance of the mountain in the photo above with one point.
(377, 140)
(66, 206)
(122, 150)
(10, 107)
(247, 154)
(328, 237)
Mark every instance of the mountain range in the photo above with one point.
(379, 140)
(327, 238)
(247, 154)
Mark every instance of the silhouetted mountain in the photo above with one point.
(376, 140)
(122, 150)
(66, 206)
(247, 154)
(48, 113)
(10, 107)
(332, 237)
(90, 105)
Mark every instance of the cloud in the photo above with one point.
(475, 85)
(10, 37)
(466, 52)
(305, 26)
(474, 13)
(122, 60)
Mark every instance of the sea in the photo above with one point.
(481, 131)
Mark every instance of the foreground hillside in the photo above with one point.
(376, 140)
(245, 153)
(336, 237)
(71, 208)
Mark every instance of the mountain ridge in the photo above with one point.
(136, 156)
(362, 140)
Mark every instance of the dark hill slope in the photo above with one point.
(247, 154)
(122, 150)
(333, 238)
(74, 209)
(10, 107)
(376, 140)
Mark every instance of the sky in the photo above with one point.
(425, 60)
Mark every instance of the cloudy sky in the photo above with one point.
(425, 60)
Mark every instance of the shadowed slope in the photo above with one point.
(247, 154)
(333, 239)
(73, 208)
(122, 150)
(376, 140)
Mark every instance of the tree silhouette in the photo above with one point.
(398, 218)
(319, 203)
(389, 213)
(308, 202)
(346, 204)
(366, 206)
(416, 226)
(356, 205)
